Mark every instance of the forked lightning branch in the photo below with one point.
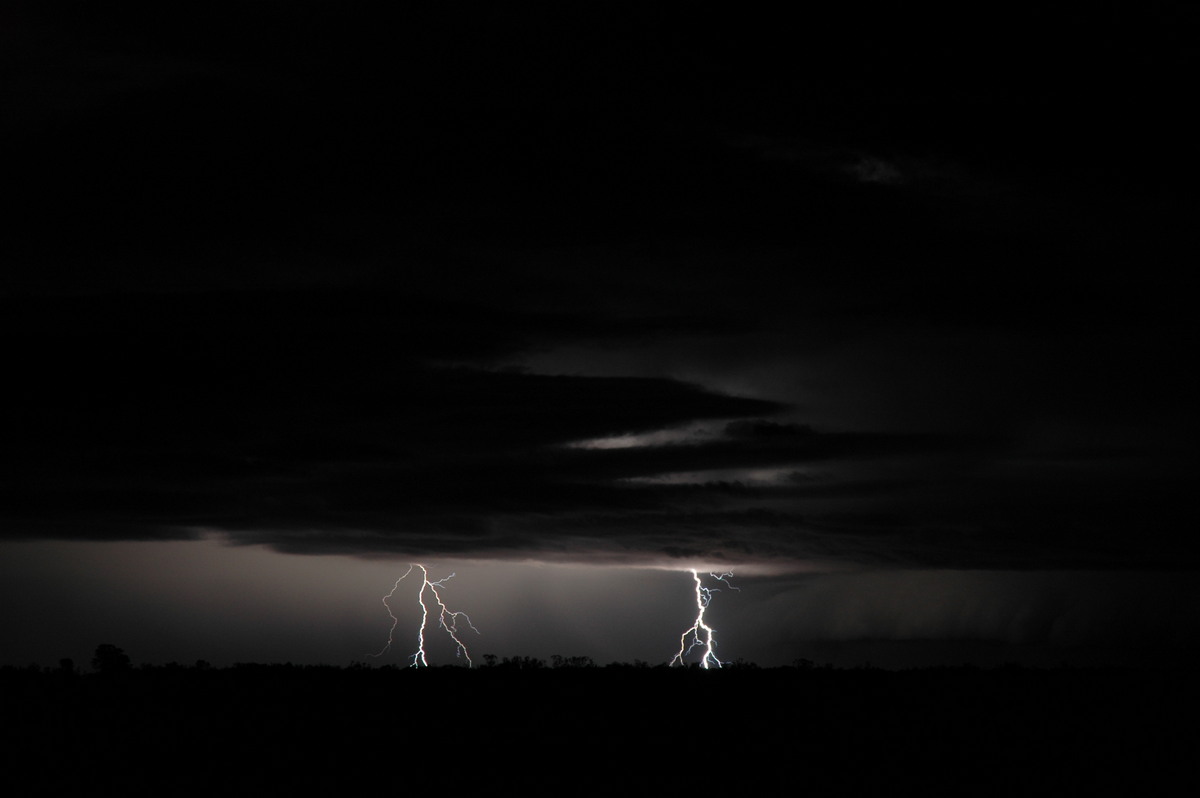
(447, 618)
(698, 636)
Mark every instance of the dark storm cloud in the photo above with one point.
(306, 413)
(270, 272)
(314, 424)
(327, 422)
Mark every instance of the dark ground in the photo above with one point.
(268, 729)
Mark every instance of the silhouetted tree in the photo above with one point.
(109, 659)
(578, 662)
(522, 663)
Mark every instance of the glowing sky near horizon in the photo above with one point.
(183, 601)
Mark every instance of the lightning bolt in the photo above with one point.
(447, 618)
(701, 633)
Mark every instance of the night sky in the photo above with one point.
(892, 313)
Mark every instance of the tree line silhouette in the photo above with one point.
(178, 729)
(111, 660)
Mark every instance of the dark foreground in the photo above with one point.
(274, 729)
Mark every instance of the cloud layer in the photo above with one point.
(368, 422)
(363, 281)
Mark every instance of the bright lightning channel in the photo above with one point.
(447, 619)
(701, 633)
